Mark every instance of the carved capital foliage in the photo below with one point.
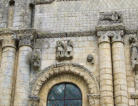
(116, 36)
(103, 37)
(8, 42)
(8, 38)
(26, 40)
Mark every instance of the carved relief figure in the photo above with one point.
(69, 49)
(64, 50)
(60, 49)
(134, 51)
(36, 59)
(112, 17)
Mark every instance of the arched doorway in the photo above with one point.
(64, 94)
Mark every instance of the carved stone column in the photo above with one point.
(7, 69)
(106, 84)
(23, 72)
(119, 70)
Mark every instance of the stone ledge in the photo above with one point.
(112, 27)
(42, 34)
(134, 96)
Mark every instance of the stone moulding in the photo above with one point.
(75, 69)
(41, 34)
(134, 96)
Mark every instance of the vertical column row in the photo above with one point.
(106, 84)
(7, 70)
(23, 72)
(119, 70)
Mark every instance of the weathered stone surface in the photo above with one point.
(102, 33)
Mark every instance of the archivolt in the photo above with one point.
(56, 69)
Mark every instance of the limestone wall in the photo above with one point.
(3, 13)
(71, 16)
(82, 46)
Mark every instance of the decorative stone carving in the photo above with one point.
(64, 50)
(8, 42)
(34, 101)
(56, 69)
(134, 51)
(90, 59)
(36, 59)
(93, 98)
(110, 17)
(25, 40)
(115, 35)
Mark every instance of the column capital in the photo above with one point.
(8, 42)
(104, 36)
(26, 40)
(118, 36)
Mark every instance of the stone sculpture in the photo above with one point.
(36, 59)
(90, 59)
(64, 50)
(111, 17)
(134, 51)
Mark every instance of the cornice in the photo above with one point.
(109, 28)
(41, 34)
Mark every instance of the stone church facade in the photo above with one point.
(91, 46)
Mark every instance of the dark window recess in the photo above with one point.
(65, 94)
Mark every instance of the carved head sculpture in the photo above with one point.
(132, 39)
(115, 16)
(90, 59)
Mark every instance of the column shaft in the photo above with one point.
(106, 83)
(6, 72)
(23, 77)
(119, 70)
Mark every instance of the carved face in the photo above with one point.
(90, 58)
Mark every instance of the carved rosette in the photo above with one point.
(25, 40)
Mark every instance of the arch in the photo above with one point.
(64, 92)
(73, 68)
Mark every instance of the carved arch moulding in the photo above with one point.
(67, 68)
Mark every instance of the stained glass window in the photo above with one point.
(65, 94)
